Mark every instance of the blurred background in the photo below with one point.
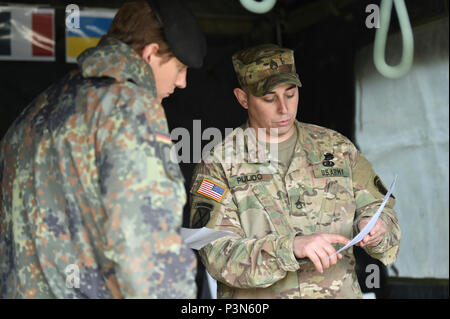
(401, 124)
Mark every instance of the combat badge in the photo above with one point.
(201, 215)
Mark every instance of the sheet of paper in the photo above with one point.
(199, 237)
(371, 223)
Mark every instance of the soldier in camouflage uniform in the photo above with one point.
(90, 204)
(289, 212)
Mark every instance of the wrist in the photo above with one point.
(298, 252)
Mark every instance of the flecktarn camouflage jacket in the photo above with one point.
(90, 203)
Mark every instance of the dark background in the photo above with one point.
(325, 34)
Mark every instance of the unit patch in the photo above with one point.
(201, 215)
(380, 186)
(163, 149)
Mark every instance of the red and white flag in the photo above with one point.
(27, 33)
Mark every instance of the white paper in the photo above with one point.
(199, 237)
(371, 223)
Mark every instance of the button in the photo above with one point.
(328, 163)
(328, 156)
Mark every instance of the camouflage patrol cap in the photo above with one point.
(262, 68)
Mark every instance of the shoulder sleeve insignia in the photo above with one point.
(163, 151)
(212, 190)
(380, 186)
(201, 215)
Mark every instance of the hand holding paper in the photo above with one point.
(375, 236)
(371, 223)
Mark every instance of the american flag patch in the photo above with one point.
(211, 190)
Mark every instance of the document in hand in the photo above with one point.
(371, 223)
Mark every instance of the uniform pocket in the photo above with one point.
(338, 207)
(273, 210)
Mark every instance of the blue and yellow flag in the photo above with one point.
(93, 25)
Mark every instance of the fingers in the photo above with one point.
(371, 240)
(318, 248)
(323, 257)
(322, 253)
(320, 260)
(363, 223)
(375, 240)
(316, 261)
(375, 235)
(331, 257)
(335, 238)
(375, 228)
(365, 240)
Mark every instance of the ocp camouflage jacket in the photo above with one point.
(265, 210)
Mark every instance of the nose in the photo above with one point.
(181, 80)
(282, 106)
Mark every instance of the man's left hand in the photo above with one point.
(374, 237)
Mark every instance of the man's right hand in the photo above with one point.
(317, 248)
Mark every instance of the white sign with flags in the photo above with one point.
(27, 33)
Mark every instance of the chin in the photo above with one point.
(285, 130)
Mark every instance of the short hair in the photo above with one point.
(136, 25)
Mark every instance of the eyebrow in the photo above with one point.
(289, 88)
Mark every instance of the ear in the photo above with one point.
(149, 51)
(242, 97)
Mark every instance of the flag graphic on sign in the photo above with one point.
(93, 25)
(211, 190)
(27, 33)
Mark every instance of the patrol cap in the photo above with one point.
(181, 31)
(262, 68)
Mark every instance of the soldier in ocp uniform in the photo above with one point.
(91, 204)
(288, 213)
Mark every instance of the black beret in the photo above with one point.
(181, 31)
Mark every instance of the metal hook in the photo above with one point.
(381, 37)
(258, 6)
